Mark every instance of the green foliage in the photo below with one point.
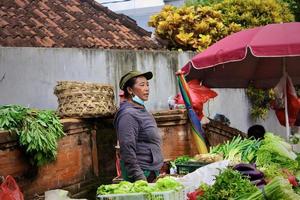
(201, 2)
(11, 117)
(228, 185)
(260, 100)
(37, 130)
(252, 13)
(294, 6)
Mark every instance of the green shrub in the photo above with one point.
(191, 27)
(197, 27)
(252, 13)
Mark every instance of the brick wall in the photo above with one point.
(76, 165)
(86, 155)
(176, 135)
(106, 140)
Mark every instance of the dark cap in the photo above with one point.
(132, 74)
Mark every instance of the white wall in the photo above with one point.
(28, 76)
(119, 6)
(139, 10)
(234, 104)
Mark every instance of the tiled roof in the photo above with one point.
(69, 23)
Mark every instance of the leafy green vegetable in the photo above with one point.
(181, 160)
(278, 189)
(141, 186)
(11, 117)
(275, 154)
(37, 130)
(238, 149)
(229, 184)
(121, 188)
(166, 183)
(124, 187)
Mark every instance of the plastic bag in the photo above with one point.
(293, 101)
(205, 174)
(58, 194)
(9, 190)
(199, 94)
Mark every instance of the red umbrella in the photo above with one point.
(260, 56)
(250, 56)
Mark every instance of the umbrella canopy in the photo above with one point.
(258, 56)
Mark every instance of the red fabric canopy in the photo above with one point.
(249, 56)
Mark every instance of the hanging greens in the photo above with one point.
(37, 130)
(260, 100)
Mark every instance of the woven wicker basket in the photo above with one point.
(84, 100)
(218, 133)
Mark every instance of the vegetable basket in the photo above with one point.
(84, 100)
(218, 132)
(188, 167)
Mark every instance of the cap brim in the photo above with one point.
(147, 75)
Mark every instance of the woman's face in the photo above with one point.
(141, 88)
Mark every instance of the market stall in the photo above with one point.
(243, 168)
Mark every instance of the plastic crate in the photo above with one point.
(167, 195)
(133, 196)
(189, 167)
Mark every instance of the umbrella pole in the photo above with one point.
(287, 124)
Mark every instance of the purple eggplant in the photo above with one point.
(253, 174)
(244, 167)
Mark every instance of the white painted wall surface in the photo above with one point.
(28, 76)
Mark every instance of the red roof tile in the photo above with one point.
(69, 23)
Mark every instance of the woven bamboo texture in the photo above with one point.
(218, 133)
(84, 100)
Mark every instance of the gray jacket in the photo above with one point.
(140, 142)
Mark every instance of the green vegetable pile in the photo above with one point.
(238, 149)
(279, 188)
(141, 186)
(275, 154)
(37, 130)
(181, 160)
(228, 185)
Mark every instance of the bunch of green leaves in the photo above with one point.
(278, 188)
(260, 100)
(11, 117)
(275, 154)
(228, 185)
(238, 149)
(181, 160)
(37, 130)
(141, 186)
